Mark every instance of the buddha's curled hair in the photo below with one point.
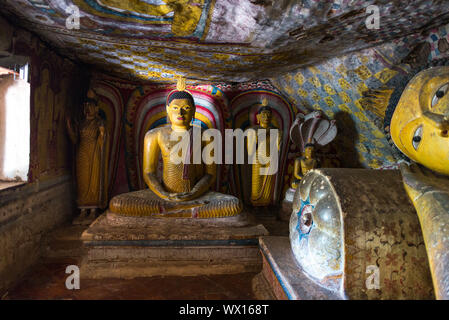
(180, 95)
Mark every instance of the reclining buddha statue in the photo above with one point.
(184, 191)
(420, 130)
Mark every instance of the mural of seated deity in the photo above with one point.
(420, 129)
(354, 232)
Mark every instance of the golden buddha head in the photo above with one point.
(420, 123)
(180, 109)
(264, 116)
(90, 105)
(308, 151)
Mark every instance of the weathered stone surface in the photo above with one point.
(5, 37)
(118, 220)
(166, 248)
(27, 213)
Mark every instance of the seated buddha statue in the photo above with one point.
(184, 191)
(309, 132)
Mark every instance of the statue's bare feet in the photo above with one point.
(82, 216)
(90, 217)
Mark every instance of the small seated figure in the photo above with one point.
(307, 132)
(184, 190)
(420, 129)
(303, 164)
(262, 185)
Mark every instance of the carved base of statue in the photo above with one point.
(125, 246)
(281, 279)
(145, 203)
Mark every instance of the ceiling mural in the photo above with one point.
(216, 40)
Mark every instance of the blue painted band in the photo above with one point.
(277, 275)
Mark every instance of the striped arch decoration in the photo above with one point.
(146, 111)
(244, 109)
(112, 110)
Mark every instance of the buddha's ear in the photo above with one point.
(258, 118)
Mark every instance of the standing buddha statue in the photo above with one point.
(263, 183)
(91, 165)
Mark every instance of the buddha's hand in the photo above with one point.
(420, 180)
(180, 196)
(72, 130)
(102, 135)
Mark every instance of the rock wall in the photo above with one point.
(46, 200)
(27, 213)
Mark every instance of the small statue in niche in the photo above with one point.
(307, 132)
(91, 165)
(420, 129)
(260, 146)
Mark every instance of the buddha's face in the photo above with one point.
(180, 112)
(264, 118)
(90, 110)
(420, 123)
(308, 152)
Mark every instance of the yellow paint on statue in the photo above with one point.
(303, 165)
(91, 158)
(420, 123)
(262, 185)
(184, 189)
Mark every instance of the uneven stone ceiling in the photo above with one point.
(217, 40)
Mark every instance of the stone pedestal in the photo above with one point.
(129, 247)
(282, 278)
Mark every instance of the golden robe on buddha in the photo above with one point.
(91, 157)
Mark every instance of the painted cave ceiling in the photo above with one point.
(217, 40)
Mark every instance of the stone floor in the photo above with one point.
(63, 248)
(47, 281)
